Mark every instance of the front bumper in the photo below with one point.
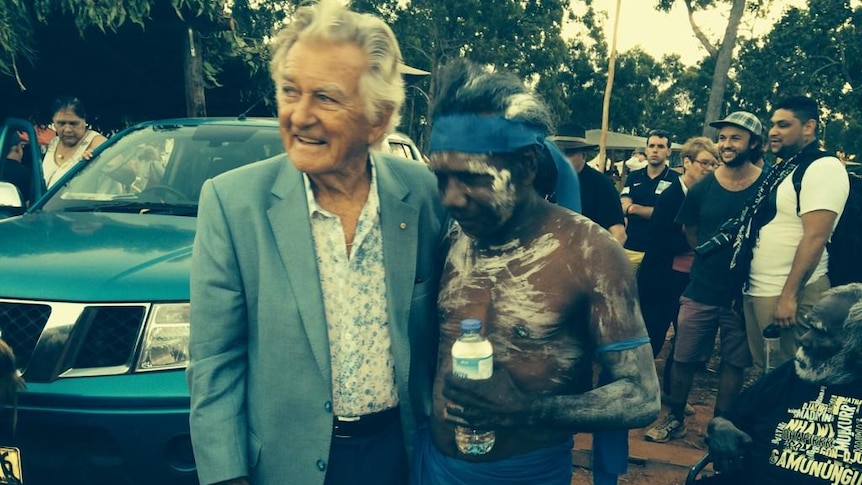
(118, 430)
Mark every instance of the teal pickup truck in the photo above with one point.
(94, 300)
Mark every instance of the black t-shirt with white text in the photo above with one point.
(802, 433)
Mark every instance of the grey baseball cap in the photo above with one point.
(742, 119)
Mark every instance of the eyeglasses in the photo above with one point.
(708, 163)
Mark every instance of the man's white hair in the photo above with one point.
(381, 87)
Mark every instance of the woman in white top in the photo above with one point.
(74, 140)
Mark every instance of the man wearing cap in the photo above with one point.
(598, 194)
(781, 249)
(710, 301)
(641, 191)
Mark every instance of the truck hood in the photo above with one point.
(96, 257)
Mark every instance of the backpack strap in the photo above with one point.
(801, 167)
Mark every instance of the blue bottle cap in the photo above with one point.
(471, 324)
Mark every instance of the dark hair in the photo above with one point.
(755, 147)
(12, 139)
(660, 134)
(803, 108)
(467, 88)
(69, 103)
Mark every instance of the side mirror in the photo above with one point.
(11, 202)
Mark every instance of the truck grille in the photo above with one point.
(112, 333)
(21, 326)
(51, 338)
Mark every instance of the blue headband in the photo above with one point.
(470, 133)
(482, 134)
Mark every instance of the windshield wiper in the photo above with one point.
(139, 207)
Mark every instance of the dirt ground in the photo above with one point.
(654, 472)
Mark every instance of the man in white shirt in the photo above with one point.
(789, 261)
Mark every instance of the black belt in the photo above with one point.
(365, 425)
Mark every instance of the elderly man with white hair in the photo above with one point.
(801, 423)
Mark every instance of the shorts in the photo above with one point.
(697, 325)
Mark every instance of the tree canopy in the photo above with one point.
(125, 59)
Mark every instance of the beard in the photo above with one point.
(833, 370)
(739, 159)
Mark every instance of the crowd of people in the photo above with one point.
(732, 248)
(329, 283)
(575, 285)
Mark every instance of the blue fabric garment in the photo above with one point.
(568, 184)
(547, 466)
(470, 133)
(610, 448)
(623, 345)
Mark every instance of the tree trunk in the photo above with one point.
(606, 105)
(722, 66)
(195, 100)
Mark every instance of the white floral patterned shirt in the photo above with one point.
(354, 299)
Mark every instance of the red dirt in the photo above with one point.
(662, 463)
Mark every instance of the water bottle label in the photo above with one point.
(473, 368)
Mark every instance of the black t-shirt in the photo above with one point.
(17, 174)
(643, 190)
(665, 238)
(802, 433)
(708, 205)
(599, 198)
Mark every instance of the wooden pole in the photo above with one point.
(194, 78)
(603, 139)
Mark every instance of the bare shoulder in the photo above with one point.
(592, 253)
(583, 236)
(97, 140)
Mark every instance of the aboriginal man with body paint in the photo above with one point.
(554, 291)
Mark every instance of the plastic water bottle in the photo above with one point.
(473, 358)
(771, 345)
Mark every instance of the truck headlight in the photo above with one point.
(166, 341)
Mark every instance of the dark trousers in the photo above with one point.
(378, 459)
(660, 306)
(659, 302)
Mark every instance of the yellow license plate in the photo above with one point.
(10, 466)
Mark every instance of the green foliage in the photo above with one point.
(519, 35)
(815, 51)
(15, 38)
(19, 17)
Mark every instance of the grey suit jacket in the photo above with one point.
(260, 380)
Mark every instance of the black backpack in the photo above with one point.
(845, 263)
